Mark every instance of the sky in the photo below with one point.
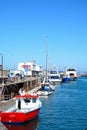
(26, 26)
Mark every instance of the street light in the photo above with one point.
(1, 64)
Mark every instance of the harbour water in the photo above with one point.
(65, 109)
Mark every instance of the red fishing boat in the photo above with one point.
(26, 108)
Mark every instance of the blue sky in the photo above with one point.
(24, 25)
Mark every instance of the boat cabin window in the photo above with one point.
(34, 100)
(70, 69)
(27, 100)
(53, 72)
(54, 77)
(71, 74)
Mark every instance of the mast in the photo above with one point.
(46, 57)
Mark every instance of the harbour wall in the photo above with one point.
(11, 87)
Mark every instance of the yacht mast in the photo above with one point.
(46, 57)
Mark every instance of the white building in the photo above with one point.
(30, 68)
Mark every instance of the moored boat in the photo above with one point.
(54, 77)
(69, 75)
(65, 79)
(45, 90)
(26, 108)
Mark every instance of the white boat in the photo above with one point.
(54, 77)
(49, 83)
(44, 93)
(70, 74)
(45, 90)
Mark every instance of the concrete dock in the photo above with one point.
(11, 87)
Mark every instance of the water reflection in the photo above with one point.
(32, 125)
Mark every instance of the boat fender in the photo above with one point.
(46, 88)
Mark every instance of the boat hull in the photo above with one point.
(66, 79)
(73, 78)
(18, 117)
(44, 93)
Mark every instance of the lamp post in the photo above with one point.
(1, 64)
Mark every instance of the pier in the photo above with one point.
(10, 86)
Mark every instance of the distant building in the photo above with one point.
(30, 68)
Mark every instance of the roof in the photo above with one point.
(27, 96)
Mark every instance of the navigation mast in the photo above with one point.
(46, 57)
